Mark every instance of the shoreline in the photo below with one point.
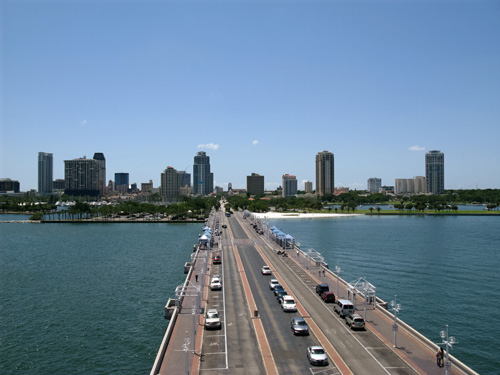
(298, 215)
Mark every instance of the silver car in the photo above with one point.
(317, 355)
(273, 283)
(355, 321)
(212, 319)
(299, 326)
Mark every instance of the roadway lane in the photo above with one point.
(289, 351)
(361, 350)
(233, 349)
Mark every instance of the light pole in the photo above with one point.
(337, 271)
(395, 307)
(448, 342)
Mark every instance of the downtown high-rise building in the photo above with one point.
(122, 183)
(374, 184)
(203, 179)
(289, 183)
(45, 169)
(99, 156)
(255, 184)
(81, 177)
(325, 173)
(434, 172)
(170, 184)
(308, 186)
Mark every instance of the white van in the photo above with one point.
(344, 307)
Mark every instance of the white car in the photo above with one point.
(216, 285)
(273, 283)
(212, 319)
(288, 303)
(265, 270)
(317, 355)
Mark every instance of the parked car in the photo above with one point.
(355, 321)
(321, 288)
(265, 270)
(217, 259)
(277, 288)
(317, 356)
(344, 307)
(212, 319)
(288, 303)
(273, 283)
(215, 285)
(328, 297)
(299, 326)
(280, 294)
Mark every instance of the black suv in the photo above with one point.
(321, 288)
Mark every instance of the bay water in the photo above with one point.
(89, 298)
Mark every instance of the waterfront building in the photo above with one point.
(289, 184)
(170, 185)
(58, 185)
(340, 190)
(147, 187)
(8, 185)
(434, 172)
(45, 168)
(121, 182)
(325, 173)
(404, 185)
(203, 179)
(420, 184)
(81, 177)
(308, 186)
(184, 178)
(255, 184)
(374, 184)
(386, 189)
(99, 156)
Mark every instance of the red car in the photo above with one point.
(328, 297)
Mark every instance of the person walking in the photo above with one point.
(196, 277)
(439, 357)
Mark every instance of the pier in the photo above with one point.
(255, 335)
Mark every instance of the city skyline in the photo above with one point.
(378, 84)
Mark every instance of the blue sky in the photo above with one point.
(261, 86)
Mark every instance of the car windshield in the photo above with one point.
(318, 351)
(213, 315)
(300, 322)
(289, 301)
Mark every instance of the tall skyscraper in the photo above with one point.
(434, 172)
(289, 183)
(45, 167)
(325, 173)
(184, 178)
(170, 184)
(374, 184)
(203, 179)
(255, 184)
(99, 156)
(121, 182)
(81, 177)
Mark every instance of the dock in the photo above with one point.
(255, 335)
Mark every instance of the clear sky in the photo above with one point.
(261, 86)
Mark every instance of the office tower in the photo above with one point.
(289, 183)
(308, 186)
(8, 185)
(170, 184)
(81, 177)
(374, 184)
(184, 178)
(229, 186)
(324, 173)
(45, 164)
(99, 156)
(255, 184)
(203, 179)
(121, 182)
(434, 172)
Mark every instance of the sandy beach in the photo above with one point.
(298, 215)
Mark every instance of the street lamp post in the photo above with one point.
(337, 271)
(396, 308)
(448, 342)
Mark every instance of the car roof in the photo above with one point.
(298, 319)
(274, 281)
(212, 311)
(265, 266)
(323, 284)
(345, 301)
(316, 347)
(287, 297)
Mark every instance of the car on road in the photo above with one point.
(355, 321)
(288, 304)
(299, 326)
(217, 259)
(343, 307)
(215, 285)
(317, 356)
(212, 319)
(224, 226)
(328, 297)
(280, 294)
(265, 270)
(277, 288)
(321, 288)
(273, 283)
